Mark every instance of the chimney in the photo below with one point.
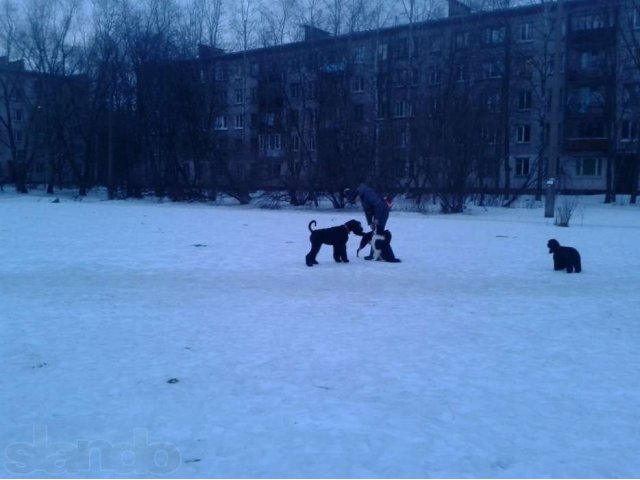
(207, 52)
(313, 33)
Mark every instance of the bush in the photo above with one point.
(565, 210)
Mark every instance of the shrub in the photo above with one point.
(565, 210)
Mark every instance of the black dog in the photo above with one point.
(564, 257)
(336, 237)
(381, 245)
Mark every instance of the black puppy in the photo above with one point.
(336, 237)
(564, 257)
(381, 245)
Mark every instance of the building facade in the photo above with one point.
(41, 127)
(493, 102)
(484, 102)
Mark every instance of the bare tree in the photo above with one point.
(203, 23)
(277, 22)
(244, 25)
(629, 116)
(8, 28)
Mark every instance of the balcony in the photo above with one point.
(596, 36)
(590, 76)
(577, 145)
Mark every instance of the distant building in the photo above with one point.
(40, 126)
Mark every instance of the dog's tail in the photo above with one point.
(312, 222)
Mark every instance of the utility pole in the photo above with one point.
(554, 134)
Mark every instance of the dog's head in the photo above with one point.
(553, 245)
(366, 239)
(355, 227)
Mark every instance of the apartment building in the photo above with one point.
(41, 127)
(494, 102)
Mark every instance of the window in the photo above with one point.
(435, 105)
(494, 36)
(274, 141)
(461, 73)
(628, 131)
(523, 134)
(524, 100)
(494, 102)
(403, 139)
(591, 130)
(636, 18)
(524, 32)
(294, 117)
(359, 54)
(401, 77)
(312, 89)
(221, 122)
(401, 48)
(269, 142)
(311, 142)
(239, 95)
(295, 142)
(491, 136)
(591, 22)
(527, 66)
(590, 60)
(415, 76)
(522, 166)
(402, 109)
(589, 166)
(17, 115)
(221, 96)
(461, 40)
(239, 122)
(492, 70)
(631, 94)
(382, 51)
(236, 71)
(19, 136)
(358, 113)
(295, 90)
(358, 84)
(434, 77)
(274, 169)
(221, 73)
(270, 119)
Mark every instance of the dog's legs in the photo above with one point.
(311, 256)
(340, 253)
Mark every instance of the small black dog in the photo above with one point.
(381, 245)
(336, 237)
(564, 257)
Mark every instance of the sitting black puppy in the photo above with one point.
(336, 237)
(564, 257)
(381, 245)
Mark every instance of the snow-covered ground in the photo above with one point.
(157, 339)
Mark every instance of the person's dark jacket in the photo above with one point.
(373, 204)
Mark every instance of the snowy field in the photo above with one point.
(146, 339)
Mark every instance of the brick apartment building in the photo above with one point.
(41, 120)
(489, 102)
(499, 101)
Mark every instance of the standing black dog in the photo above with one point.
(336, 237)
(564, 257)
